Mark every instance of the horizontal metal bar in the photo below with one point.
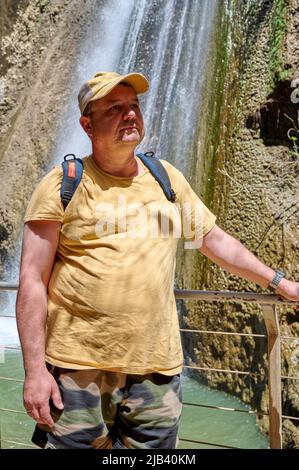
(222, 333)
(295, 418)
(222, 408)
(18, 443)
(209, 295)
(193, 367)
(181, 439)
(11, 379)
(7, 410)
(15, 348)
(231, 296)
(256, 374)
(8, 286)
(224, 370)
(187, 330)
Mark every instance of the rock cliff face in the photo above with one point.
(255, 196)
(39, 41)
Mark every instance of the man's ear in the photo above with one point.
(86, 124)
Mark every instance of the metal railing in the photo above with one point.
(268, 303)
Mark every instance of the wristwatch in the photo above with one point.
(276, 280)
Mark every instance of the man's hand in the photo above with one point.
(39, 388)
(288, 290)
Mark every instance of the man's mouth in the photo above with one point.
(131, 128)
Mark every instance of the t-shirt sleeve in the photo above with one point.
(45, 202)
(196, 219)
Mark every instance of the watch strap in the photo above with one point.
(276, 279)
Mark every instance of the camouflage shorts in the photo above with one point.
(112, 410)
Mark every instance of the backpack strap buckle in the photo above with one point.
(159, 173)
(72, 175)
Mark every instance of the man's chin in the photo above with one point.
(131, 138)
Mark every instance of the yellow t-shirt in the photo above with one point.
(111, 303)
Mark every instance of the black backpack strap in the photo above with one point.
(72, 175)
(159, 173)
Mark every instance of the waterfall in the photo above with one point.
(171, 47)
(169, 42)
(100, 51)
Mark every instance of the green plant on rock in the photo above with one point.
(294, 140)
(42, 4)
(277, 35)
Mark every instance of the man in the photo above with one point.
(99, 275)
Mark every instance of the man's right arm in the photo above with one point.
(40, 242)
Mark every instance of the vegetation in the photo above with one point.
(277, 35)
(216, 104)
(43, 4)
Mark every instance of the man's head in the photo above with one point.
(110, 109)
(103, 83)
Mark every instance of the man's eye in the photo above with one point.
(115, 107)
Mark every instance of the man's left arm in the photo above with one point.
(231, 255)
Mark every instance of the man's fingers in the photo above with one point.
(41, 415)
(33, 413)
(56, 397)
(45, 416)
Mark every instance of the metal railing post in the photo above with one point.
(274, 375)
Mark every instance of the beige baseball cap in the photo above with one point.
(103, 82)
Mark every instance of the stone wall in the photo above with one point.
(254, 193)
(39, 42)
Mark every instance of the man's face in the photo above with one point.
(116, 118)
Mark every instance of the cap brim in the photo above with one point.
(137, 81)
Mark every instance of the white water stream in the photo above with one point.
(168, 41)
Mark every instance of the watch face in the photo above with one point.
(277, 278)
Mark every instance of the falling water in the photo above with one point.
(169, 42)
(171, 48)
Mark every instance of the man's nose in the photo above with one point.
(129, 114)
